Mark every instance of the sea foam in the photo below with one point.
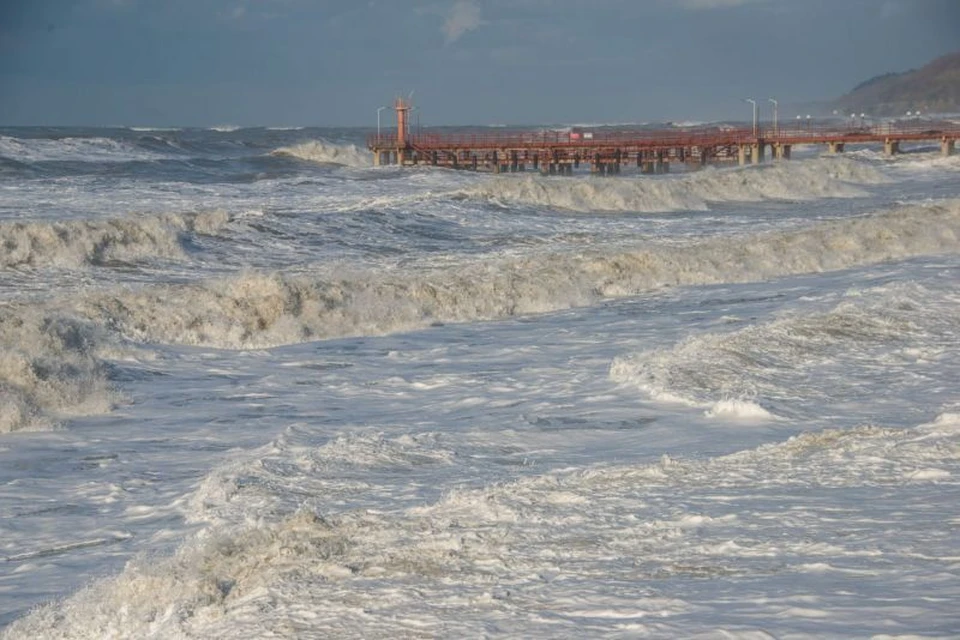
(804, 180)
(328, 153)
(255, 310)
(72, 243)
(50, 367)
(734, 374)
(265, 570)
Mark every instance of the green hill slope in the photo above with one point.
(934, 88)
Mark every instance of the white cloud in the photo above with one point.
(464, 16)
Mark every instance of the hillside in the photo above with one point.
(934, 88)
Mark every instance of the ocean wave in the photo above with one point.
(256, 310)
(321, 151)
(73, 243)
(743, 373)
(801, 180)
(449, 566)
(93, 149)
(50, 367)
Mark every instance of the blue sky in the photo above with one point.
(332, 62)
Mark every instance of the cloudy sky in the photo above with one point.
(333, 62)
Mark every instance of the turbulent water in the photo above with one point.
(252, 386)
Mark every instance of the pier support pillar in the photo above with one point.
(835, 148)
(756, 152)
(891, 147)
(742, 155)
(947, 147)
(782, 151)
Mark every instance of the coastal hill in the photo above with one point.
(934, 88)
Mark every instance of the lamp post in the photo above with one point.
(754, 103)
(417, 111)
(776, 127)
(379, 109)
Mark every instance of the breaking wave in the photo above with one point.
(74, 243)
(803, 180)
(449, 566)
(321, 151)
(50, 368)
(256, 310)
(94, 149)
(51, 353)
(795, 359)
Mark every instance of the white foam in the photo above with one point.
(735, 409)
(74, 243)
(50, 368)
(802, 180)
(93, 149)
(328, 153)
(255, 310)
(792, 357)
(564, 548)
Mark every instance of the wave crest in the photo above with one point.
(803, 180)
(96, 242)
(794, 360)
(75, 149)
(50, 367)
(254, 310)
(321, 151)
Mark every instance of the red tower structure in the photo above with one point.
(402, 107)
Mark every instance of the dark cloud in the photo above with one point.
(333, 62)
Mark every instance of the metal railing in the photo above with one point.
(798, 133)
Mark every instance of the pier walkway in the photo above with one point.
(606, 150)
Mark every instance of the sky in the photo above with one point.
(334, 62)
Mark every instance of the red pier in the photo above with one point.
(606, 150)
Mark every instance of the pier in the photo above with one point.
(607, 151)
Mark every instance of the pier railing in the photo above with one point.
(793, 133)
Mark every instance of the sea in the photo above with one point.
(252, 386)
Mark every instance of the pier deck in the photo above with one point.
(606, 151)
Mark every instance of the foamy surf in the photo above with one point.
(551, 553)
(73, 149)
(738, 410)
(74, 243)
(51, 367)
(328, 153)
(888, 334)
(256, 310)
(800, 180)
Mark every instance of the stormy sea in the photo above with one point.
(252, 386)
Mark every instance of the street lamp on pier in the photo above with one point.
(776, 127)
(379, 109)
(754, 103)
